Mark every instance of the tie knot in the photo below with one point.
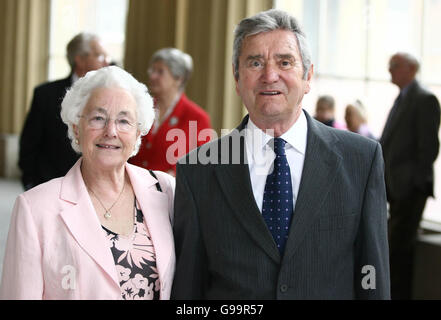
(279, 146)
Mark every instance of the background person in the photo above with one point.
(356, 119)
(325, 112)
(410, 147)
(103, 231)
(45, 152)
(169, 71)
(237, 234)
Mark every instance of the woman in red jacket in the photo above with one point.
(180, 125)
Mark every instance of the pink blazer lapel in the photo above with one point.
(80, 217)
(154, 206)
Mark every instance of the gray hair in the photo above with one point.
(179, 63)
(266, 21)
(79, 46)
(77, 96)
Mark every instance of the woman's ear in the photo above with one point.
(76, 131)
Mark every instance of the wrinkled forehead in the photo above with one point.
(279, 41)
(97, 47)
(111, 100)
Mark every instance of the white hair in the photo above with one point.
(78, 95)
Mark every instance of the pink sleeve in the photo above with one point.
(22, 276)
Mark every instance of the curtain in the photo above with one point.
(24, 38)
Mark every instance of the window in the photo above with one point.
(106, 18)
(351, 43)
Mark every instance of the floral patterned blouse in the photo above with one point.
(135, 261)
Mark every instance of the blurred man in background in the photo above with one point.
(45, 150)
(410, 146)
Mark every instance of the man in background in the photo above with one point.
(410, 147)
(45, 150)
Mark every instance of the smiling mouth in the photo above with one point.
(106, 146)
(270, 93)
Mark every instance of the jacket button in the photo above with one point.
(283, 288)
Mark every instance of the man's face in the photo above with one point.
(270, 80)
(96, 59)
(400, 70)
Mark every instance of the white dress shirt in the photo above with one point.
(261, 156)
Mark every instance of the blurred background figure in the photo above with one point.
(356, 119)
(169, 71)
(45, 151)
(410, 147)
(325, 112)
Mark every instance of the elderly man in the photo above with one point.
(286, 207)
(45, 150)
(410, 146)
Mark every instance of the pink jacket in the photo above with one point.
(56, 248)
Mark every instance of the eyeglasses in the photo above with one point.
(99, 122)
(101, 57)
(158, 71)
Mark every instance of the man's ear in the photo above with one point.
(236, 80)
(79, 63)
(309, 78)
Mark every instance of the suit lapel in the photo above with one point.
(319, 171)
(154, 206)
(235, 183)
(321, 165)
(80, 218)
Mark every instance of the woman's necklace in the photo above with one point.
(108, 214)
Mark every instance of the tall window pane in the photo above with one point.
(352, 41)
(106, 18)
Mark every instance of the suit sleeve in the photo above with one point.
(22, 268)
(372, 278)
(191, 263)
(428, 122)
(30, 141)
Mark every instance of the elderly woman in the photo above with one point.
(180, 124)
(356, 119)
(103, 231)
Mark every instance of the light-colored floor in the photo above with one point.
(9, 190)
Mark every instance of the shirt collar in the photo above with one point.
(257, 140)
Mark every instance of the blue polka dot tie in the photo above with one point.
(277, 205)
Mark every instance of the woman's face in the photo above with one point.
(161, 81)
(107, 130)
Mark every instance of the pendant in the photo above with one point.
(107, 215)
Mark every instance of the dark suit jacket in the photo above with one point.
(224, 249)
(410, 144)
(45, 150)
